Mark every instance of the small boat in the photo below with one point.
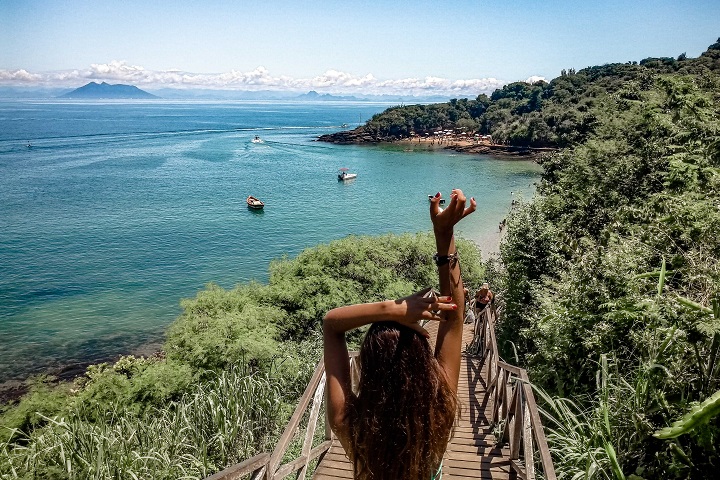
(344, 125)
(345, 175)
(442, 200)
(254, 203)
(257, 139)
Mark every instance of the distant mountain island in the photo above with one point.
(314, 96)
(106, 91)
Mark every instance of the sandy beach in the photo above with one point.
(465, 144)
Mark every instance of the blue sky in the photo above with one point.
(373, 46)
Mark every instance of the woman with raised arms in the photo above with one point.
(398, 425)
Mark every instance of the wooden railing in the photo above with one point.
(266, 466)
(513, 408)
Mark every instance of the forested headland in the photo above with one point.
(608, 281)
(563, 112)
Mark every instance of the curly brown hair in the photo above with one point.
(402, 416)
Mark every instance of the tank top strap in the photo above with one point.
(438, 474)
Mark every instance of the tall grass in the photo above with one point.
(581, 439)
(223, 422)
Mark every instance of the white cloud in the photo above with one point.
(332, 81)
(535, 78)
(333, 78)
(18, 77)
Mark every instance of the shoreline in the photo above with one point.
(456, 143)
(476, 148)
(14, 389)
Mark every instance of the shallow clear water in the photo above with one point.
(118, 210)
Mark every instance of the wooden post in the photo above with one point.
(528, 454)
(289, 431)
(312, 423)
(354, 373)
(516, 431)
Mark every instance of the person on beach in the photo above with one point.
(397, 425)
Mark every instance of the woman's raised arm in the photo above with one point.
(449, 340)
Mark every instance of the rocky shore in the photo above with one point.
(359, 136)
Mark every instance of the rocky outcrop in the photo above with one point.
(357, 136)
(349, 137)
(360, 136)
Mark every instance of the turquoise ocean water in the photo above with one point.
(118, 210)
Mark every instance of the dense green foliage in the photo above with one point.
(613, 265)
(563, 112)
(233, 367)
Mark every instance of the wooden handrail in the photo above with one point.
(254, 466)
(315, 392)
(267, 466)
(513, 404)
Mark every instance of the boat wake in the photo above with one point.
(13, 145)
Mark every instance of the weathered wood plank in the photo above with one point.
(250, 465)
(287, 435)
(312, 423)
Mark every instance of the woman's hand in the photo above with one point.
(444, 221)
(421, 306)
(407, 311)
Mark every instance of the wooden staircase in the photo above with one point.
(498, 434)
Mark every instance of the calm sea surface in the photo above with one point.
(119, 210)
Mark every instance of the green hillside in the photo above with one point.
(611, 276)
(566, 111)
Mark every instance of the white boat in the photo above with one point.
(257, 139)
(345, 175)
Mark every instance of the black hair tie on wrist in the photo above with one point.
(441, 260)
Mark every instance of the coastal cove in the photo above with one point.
(117, 210)
(454, 143)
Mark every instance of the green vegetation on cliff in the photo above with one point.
(560, 113)
(611, 273)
